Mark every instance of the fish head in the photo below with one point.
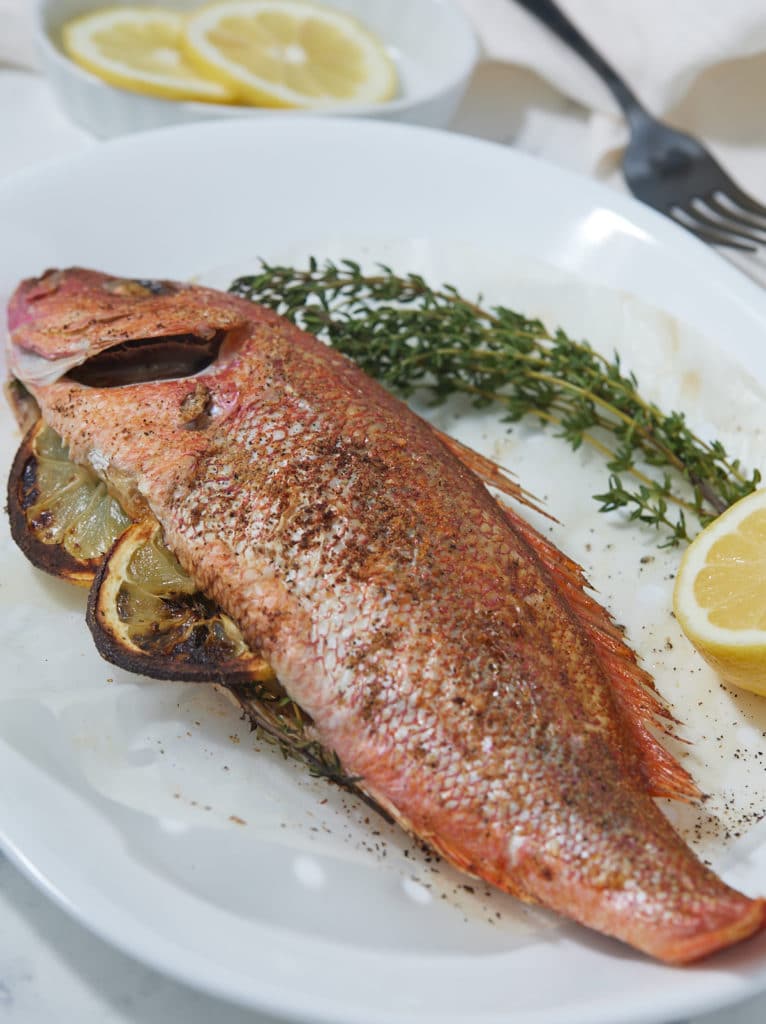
(117, 330)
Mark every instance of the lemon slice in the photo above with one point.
(147, 615)
(140, 48)
(290, 53)
(62, 516)
(720, 593)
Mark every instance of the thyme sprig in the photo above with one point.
(413, 337)
(280, 720)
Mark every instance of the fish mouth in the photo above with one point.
(126, 361)
(142, 360)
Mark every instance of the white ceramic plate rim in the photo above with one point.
(460, 189)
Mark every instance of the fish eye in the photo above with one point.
(142, 360)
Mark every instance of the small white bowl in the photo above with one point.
(431, 42)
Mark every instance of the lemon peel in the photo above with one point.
(720, 593)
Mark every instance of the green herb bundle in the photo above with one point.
(413, 337)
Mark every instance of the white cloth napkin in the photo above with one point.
(700, 64)
(16, 40)
(659, 47)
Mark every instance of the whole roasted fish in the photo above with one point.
(443, 649)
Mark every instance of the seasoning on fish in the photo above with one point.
(445, 650)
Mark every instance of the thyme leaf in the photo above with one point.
(413, 337)
(281, 721)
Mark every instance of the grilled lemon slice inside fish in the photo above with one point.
(62, 516)
(147, 615)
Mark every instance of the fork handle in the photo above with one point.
(554, 18)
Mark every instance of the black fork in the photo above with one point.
(665, 168)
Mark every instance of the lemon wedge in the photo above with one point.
(289, 53)
(140, 48)
(720, 593)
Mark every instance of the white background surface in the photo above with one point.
(51, 969)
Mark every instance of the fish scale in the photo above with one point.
(445, 650)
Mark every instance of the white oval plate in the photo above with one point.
(142, 808)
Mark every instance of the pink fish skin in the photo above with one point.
(444, 650)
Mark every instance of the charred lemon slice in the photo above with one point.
(147, 615)
(22, 403)
(62, 516)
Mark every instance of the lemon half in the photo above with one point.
(141, 49)
(720, 593)
(289, 53)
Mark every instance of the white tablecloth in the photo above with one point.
(51, 969)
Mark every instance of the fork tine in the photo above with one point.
(724, 205)
(725, 222)
(708, 235)
(735, 195)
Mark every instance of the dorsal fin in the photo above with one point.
(490, 472)
(633, 688)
